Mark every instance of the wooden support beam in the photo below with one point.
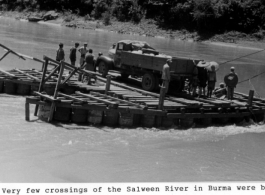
(4, 55)
(250, 97)
(108, 83)
(51, 73)
(28, 75)
(119, 100)
(47, 97)
(246, 96)
(69, 76)
(114, 105)
(72, 98)
(56, 91)
(27, 111)
(13, 52)
(41, 84)
(161, 98)
(8, 74)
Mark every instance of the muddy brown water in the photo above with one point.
(40, 152)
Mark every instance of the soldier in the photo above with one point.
(211, 81)
(89, 63)
(83, 51)
(72, 55)
(60, 55)
(231, 81)
(166, 75)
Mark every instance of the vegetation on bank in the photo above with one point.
(206, 17)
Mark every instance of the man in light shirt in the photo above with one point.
(83, 51)
(166, 75)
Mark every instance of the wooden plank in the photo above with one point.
(246, 96)
(28, 75)
(72, 98)
(13, 52)
(119, 100)
(45, 96)
(98, 99)
(8, 74)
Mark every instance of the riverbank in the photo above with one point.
(146, 27)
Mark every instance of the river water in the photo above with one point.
(42, 152)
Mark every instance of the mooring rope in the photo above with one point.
(242, 56)
(251, 77)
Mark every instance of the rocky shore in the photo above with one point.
(146, 27)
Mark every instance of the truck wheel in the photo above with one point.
(149, 81)
(103, 68)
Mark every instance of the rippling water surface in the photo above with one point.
(40, 152)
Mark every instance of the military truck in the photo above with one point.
(138, 58)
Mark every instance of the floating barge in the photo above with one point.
(120, 105)
(116, 104)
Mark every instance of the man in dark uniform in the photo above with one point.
(60, 54)
(231, 80)
(89, 62)
(72, 55)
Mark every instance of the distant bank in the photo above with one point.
(147, 28)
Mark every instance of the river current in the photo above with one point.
(42, 152)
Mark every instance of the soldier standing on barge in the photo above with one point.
(60, 55)
(72, 55)
(166, 75)
(83, 50)
(211, 81)
(231, 81)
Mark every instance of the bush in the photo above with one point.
(136, 12)
(99, 8)
(87, 17)
(106, 17)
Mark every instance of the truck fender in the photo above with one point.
(108, 61)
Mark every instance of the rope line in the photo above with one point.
(251, 77)
(242, 56)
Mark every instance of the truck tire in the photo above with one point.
(149, 81)
(103, 68)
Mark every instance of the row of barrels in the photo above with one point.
(16, 88)
(114, 118)
(110, 118)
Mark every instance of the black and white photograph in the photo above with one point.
(132, 91)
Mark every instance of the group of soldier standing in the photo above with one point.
(87, 59)
(202, 78)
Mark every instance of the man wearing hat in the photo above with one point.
(60, 55)
(166, 75)
(83, 50)
(72, 55)
(231, 81)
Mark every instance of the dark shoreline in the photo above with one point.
(147, 28)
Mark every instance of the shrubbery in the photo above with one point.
(203, 15)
